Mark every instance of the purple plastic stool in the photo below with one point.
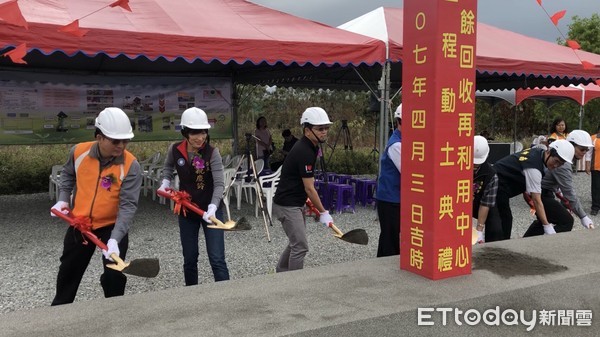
(342, 196)
(365, 191)
(370, 187)
(344, 179)
(324, 193)
(331, 176)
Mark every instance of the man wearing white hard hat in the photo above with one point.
(296, 184)
(560, 182)
(104, 180)
(523, 172)
(485, 188)
(388, 192)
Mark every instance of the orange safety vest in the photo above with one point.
(555, 136)
(596, 154)
(94, 199)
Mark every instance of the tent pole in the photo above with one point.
(234, 117)
(384, 89)
(581, 109)
(515, 131)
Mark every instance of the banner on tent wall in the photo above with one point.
(49, 108)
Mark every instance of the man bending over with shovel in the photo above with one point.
(296, 184)
(105, 180)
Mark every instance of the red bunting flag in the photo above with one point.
(73, 29)
(121, 3)
(11, 13)
(16, 55)
(587, 65)
(539, 2)
(557, 16)
(573, 44)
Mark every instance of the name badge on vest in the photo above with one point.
(181, 162)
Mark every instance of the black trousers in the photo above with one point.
(74, 261)
(595, 190)
(506, 218)
(556, 214)
(389, 222)
(493, 226)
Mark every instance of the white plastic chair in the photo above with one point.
(249, 188)
(54, 182)
(148, 166)
(268, 191)
(226, 161)
(240, 177)
(151, 181)
(228, 174)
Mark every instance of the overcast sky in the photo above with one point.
(522, 16)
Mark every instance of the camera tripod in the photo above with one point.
(345, 134)
(252, 175)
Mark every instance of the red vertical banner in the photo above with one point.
(438, 104)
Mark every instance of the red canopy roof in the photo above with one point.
(208, 30)
(498, 51)
(581, 94)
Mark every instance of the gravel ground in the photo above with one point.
(31, 244)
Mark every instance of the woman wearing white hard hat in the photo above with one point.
(560, 182)
(103, 180)
(485, 188)
(200, 170)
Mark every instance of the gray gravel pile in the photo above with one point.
(31, 244)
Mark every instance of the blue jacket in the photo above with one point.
(388, 184)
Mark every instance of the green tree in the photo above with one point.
(586, 31)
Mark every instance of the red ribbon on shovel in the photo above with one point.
(140, 267)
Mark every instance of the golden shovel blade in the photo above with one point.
(226, 226)
(474, 237)
(147, 267)
(230, 225)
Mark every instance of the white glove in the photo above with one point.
(59, 206)
(325, 218)
(480, 237)
(587, 222)
(210, 212)
(166, 183)
(113, 247)
(549, 229)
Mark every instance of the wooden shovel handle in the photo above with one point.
(216, 221)
(120, 263)
(335, 229)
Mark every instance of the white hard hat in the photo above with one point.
(398, 112)
(114, 123)
(564, 149)
(195, 118)
(315, 116)
(481, 150)
(580, 138)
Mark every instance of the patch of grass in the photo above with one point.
(26, 168)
